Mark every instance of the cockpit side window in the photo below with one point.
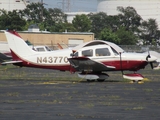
(102, 52)
(87, 53)
(40, 49)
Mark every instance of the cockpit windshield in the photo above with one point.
(114, 51)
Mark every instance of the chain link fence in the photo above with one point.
(127, 48)
(136, 48)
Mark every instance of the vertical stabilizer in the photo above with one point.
(17, 44)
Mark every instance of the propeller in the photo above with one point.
(149, 56)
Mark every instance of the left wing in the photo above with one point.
(11, 62)
(86, 64)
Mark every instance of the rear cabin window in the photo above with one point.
(102, 52)
(87, 53)
(47, 48)
(40, 49)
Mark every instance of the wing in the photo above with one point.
(10, 62)
(86, 64)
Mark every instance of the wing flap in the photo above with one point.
(86, 64)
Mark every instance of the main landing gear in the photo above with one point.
(91, 77)
(92, 80)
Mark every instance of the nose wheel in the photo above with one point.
(137, 81)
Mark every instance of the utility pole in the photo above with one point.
(42, 10)
(66, 5)
(63, 2)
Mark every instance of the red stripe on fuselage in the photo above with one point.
(123, 65)
(126, 65)
(30, 64)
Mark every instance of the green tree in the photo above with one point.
(57, 15)
(67, 27)
(98, 22)
(126, 37)
(113, 22)
(54, 19)
(34, 12)
(82, 23)
(108, 35)
(149, 31)
(129, 18)
(11, 20)
(47, 19)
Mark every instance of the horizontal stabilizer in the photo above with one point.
(4, 57)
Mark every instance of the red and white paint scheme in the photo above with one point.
(91, 60)
(136, 76)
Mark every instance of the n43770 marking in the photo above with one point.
(59, 59)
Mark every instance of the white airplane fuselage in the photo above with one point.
(57, 60)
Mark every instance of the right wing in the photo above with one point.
(86, 64)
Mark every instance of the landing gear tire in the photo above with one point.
(88, 80)
(140, 82)
(100, 80)
(137, 81)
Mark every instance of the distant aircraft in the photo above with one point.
(91, 60)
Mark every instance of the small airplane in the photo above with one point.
(91, 60)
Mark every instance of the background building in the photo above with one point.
(145, 8)
(10, 5)
(51, 39)
(71, 15)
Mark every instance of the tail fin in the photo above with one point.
(17, 44)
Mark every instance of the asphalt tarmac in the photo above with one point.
(39, 99)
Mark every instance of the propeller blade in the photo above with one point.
(151, 65)
(148, 56)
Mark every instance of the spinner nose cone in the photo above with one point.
(151, 58)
